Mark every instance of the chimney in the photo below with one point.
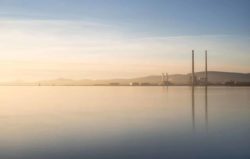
(206, 78)
(193, 76)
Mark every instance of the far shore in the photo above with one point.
(106, 85)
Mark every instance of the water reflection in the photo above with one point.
(206, 109)
(124, 122)
(193, 108)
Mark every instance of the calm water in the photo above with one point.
(124, 122)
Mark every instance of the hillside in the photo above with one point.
(213, 77)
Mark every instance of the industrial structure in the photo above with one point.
(165, 79)
(206, 77)
(201, 80)
(193, 78)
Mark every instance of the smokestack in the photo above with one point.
(206, 68)
(193, 68)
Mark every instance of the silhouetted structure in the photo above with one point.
(200, 80)
(206, 78)
(193, 78)
(165, 79)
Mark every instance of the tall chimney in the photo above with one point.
(206, 79)
(193, 68)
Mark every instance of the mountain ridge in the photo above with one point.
(213, 77)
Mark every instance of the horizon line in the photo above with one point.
(118, 78)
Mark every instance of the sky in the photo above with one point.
(100, 39)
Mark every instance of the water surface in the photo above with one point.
(124, 122)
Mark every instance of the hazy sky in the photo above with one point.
(46, 39)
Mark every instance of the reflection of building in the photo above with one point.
(134, 84)
(193, 78)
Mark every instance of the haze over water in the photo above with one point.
(124, 122)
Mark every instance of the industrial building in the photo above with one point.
(202, 80)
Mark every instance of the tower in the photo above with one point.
(206, 78)
(193, 75)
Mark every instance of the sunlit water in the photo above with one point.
(124, 122)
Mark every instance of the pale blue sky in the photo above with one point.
(147, 17)
(147, 36)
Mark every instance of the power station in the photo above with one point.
(193, 79)
(194, 82)
(164, 79)
(206, 78)
(193, 76)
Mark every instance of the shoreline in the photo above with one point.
(31, 85)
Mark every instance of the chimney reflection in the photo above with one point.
(206, 109)
(193, 108)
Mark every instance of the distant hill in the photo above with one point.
(213, 77)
